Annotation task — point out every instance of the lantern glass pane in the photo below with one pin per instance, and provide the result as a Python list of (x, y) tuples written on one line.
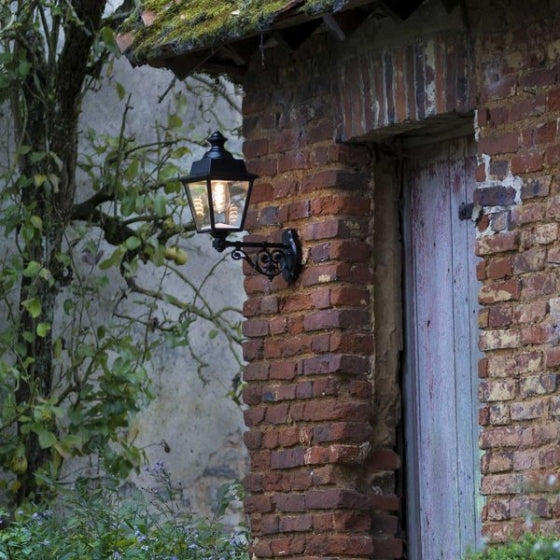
[(229, 199), (198, 198)]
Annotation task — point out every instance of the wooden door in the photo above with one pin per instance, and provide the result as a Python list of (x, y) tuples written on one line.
[(440, 378)]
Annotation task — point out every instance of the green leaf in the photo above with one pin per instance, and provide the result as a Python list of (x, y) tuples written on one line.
[(36, 222), (46, 439), (33, 307), (43, 329), (57, 348), (180, 152), (28, 336), (68, 306), (160, 205), (57, 161), (107, 36), (55, 181), (63, 258), (132, 243), (46, 274), (114, 260), (121, 91), (28, 232), (39, 179), (36, 157), (172, 187), (32, 269), (174, 121), (132, 170)]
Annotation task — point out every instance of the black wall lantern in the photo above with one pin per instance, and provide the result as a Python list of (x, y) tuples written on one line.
[(218, 189)]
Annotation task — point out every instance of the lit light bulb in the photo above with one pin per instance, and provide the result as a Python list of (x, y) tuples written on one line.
[(233, 212), (198, 206), (219, 197)]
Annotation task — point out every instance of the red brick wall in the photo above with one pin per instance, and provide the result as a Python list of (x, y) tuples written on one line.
[(311, 373), (517, 50), (310, 344)]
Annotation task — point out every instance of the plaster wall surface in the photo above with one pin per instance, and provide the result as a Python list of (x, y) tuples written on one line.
[(192, 426)]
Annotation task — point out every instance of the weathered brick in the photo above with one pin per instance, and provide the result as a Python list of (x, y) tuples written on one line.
[(497, 462), (530, 362), (283, 370), (387, 548), (540, 284), (495, 484), (497, 243), (539, 334), (538, 385), (528, 410), (497, 390), (341, 431), (553, 357), (258, 503), (495, 196), (527, 213), (536, 187), (255, 147), (498, 510), (502, 366), (496, 339), (293, 524), (495, 292), (334, 178), (277, 413), (499, 415), (527, 162), (335, 318), (499, 268), (288, 503), (522, 506), (336, 363), (530, 312), (287, 458), (507, 142), (336, 498), (255, 328), (541, 234), (530, 260)]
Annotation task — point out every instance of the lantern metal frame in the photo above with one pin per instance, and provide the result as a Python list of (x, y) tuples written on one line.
[(218, 168)]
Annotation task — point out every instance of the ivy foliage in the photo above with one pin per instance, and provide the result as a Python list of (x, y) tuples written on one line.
[(86, 217), (529, 547)]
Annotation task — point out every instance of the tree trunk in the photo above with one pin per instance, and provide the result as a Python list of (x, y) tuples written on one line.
[(50, 125)]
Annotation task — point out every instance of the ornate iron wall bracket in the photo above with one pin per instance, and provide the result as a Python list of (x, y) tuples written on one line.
[(270, 259)]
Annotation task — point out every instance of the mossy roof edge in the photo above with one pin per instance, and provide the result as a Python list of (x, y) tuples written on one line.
[(180, 27)]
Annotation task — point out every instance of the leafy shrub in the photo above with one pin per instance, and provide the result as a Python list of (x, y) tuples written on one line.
[(530, 547), (98, 524)]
